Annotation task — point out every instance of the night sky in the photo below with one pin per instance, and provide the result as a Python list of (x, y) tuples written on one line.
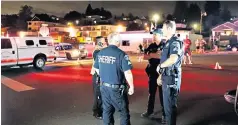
[(138, 8)]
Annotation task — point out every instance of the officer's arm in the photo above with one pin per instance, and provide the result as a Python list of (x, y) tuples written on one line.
[(93, 69), (129, 78), (96, 65), (176, 52), (126, 67), (92, 72), (170, 61)]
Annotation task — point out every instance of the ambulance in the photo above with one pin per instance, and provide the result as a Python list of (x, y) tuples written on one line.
[(20, 51)]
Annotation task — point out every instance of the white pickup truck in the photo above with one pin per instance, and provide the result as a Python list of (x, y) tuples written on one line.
[(17, 51)]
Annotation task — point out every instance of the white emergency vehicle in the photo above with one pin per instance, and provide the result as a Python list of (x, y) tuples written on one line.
[(20, 51)]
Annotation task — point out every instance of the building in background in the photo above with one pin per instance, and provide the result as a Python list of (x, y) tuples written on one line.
[(226, 29)]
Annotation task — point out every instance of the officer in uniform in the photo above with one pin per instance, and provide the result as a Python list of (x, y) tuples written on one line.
[(97, 105), (114, 68), (170, 68), (153, 75)]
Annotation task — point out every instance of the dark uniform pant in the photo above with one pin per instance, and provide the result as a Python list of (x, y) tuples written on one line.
[(152, 93), (114, 99), (170, 94), (97, 105)]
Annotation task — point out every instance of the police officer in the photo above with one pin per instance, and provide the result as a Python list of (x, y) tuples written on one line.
[(97, 105), (153, 75), (114, 68), (170, 68)]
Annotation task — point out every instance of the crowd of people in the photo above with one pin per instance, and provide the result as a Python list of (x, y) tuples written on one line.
[(113, 78)]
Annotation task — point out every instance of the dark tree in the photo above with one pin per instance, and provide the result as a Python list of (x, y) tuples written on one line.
[(170, 17), (9, 20), (89, 10), (105, 13), (96, 11), (130, 15), (212, 7), (122, 15), (25, 14), (72, 15), (194, 14), (180, 11), (213, 17), (226, 14), (44, 17)]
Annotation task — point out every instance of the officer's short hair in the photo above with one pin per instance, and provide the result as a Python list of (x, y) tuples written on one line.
[(113, 37), (98, 41), (170, 24), (99, 37)]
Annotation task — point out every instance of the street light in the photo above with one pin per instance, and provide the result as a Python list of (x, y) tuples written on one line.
[(195, 26), (202, 15), (72, 32), (69, 23), (77, 22), (156, 18), (119, 28)]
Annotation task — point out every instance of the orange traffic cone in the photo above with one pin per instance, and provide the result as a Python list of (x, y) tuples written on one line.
[(217, 66)]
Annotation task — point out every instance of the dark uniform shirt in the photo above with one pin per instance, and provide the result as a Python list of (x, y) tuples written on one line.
[(173, 46), (95, 53), (112, 62)]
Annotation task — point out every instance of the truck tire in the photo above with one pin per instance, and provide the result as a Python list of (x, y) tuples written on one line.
[(39, 62), (68, 56)]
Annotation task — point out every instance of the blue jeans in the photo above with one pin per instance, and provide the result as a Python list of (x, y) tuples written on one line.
[(114, 99), (170, 95)]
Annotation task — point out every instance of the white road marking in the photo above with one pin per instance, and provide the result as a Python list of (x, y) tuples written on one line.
[(15, 85)]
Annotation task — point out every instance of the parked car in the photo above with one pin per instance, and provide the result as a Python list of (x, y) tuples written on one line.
[(67, 50), (232, 47)]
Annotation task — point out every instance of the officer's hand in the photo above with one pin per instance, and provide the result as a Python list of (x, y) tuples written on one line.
[(159, 69), (131, 91), (159, 80)]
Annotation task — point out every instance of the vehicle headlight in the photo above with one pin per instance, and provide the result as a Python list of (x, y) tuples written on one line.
[(234, 49), (75, 53)]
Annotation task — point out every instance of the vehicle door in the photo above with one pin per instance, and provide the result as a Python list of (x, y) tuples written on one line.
[(9, 52)]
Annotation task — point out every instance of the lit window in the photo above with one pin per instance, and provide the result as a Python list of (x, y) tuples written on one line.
[(125, 43)]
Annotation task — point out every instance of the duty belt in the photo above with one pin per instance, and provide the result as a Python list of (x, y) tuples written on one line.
[(112, 85)]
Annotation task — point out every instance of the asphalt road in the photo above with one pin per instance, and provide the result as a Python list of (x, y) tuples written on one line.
[(62, 94)]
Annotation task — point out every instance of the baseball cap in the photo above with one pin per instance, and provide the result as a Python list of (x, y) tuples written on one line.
[(157, 31)]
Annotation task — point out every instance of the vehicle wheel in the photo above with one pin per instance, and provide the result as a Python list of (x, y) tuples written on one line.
[(68, 56), (39, 63)]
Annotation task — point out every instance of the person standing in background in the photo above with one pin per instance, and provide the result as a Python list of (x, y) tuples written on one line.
[(187, 52), (97, 105), (153, 75), (197, 45), (140, 53)]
